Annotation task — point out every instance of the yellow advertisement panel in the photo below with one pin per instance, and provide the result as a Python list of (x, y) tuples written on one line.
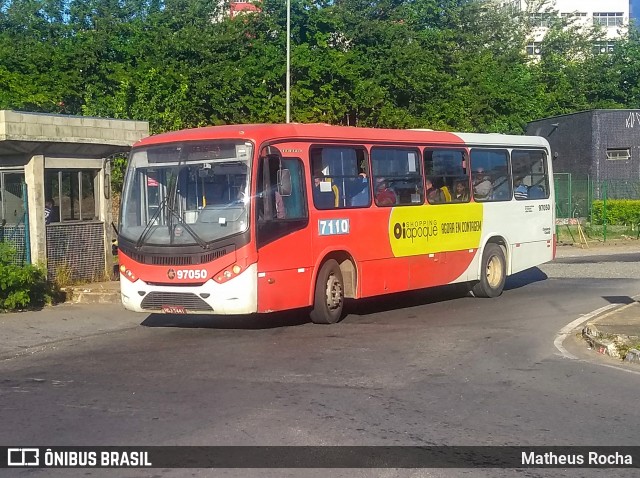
[(435, 228)]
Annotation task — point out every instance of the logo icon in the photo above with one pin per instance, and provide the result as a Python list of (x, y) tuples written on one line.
[(23, 457), (171, 274)]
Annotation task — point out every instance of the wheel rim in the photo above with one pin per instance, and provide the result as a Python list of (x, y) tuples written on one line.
[(334, 293), (494, 271)]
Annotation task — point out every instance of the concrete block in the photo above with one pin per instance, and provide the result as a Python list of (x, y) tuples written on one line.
[(65, 133), (102, 123), (633, 355), (107, 133), (16, 129), (142, 126), (50, 131), (34, 130), (42, 119), (13, 116), (89, 122), (133, 136), (60, 120)]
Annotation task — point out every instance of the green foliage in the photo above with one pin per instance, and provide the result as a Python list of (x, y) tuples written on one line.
[(21, 287), (623, 212), (446, 64)]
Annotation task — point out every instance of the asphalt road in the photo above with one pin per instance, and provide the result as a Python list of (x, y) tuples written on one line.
[(422, 368)]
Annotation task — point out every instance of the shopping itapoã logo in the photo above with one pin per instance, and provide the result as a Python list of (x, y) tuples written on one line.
[(435, 228)]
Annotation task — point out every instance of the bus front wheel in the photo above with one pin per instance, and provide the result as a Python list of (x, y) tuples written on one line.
[(329, 294), (493, 272)]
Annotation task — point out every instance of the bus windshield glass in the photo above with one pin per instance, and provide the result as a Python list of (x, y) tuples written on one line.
[(186, 193)]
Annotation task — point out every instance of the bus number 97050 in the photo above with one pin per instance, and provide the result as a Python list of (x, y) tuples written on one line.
[(191, 274)]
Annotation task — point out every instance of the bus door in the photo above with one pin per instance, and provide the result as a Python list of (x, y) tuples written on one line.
[(283, 236)]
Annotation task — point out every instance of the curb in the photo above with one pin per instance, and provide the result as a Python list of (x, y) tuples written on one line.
[(602, 345), (614, 345), (89, 295)]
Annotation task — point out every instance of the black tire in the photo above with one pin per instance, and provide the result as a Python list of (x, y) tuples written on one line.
[(493, 272), (328, 299)]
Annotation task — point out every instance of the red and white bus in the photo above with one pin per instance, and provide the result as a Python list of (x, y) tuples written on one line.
[(263, 218)]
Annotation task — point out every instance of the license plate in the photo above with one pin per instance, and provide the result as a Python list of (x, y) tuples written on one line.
[(173, 309)]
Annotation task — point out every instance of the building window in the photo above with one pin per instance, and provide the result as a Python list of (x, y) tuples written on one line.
[(534, 48), (574, 15), (600, 47), (541, 20), (12, 194), (618, 154), (608, 19), (73, 195)]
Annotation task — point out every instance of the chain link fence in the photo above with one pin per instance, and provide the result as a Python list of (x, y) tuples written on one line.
[(604, 210)]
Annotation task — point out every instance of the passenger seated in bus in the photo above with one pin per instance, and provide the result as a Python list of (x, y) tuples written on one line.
[(359, 191), (384, 194), (445, 194), (325, 196), (461, 192), (437, 191), (482, 185), (521, 191), (501, 189), (537, 192)]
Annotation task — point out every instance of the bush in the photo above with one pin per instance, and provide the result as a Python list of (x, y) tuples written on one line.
[(621, 212), (21, 287)]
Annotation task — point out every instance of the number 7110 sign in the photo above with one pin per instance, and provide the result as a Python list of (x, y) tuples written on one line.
[(330, 227)]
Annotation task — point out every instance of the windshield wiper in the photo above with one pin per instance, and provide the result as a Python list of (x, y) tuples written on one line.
[(189, 229), (150, 224)]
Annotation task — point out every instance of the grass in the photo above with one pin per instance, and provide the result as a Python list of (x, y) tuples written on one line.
[(596, 233)]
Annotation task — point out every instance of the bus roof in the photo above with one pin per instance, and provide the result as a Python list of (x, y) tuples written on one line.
[(260, 133)]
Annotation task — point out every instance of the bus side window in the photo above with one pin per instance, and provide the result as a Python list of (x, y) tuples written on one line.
[(397, 176), (530, 170), (446, 169), (340, 177)]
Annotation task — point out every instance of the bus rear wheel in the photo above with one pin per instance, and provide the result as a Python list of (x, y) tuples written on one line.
[(329, 294), (493, 272)]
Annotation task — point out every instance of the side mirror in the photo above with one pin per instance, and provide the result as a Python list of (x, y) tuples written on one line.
[(284, 182)]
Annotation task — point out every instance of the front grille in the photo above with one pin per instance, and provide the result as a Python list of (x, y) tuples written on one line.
[(171, 260), (162, 260), (155, 300), (215, 254), (134, 255)]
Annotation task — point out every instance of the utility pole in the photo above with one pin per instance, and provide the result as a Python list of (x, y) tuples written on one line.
[(288, 101)]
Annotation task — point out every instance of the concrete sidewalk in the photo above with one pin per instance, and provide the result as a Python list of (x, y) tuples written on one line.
[(29, 332), (94, 293)]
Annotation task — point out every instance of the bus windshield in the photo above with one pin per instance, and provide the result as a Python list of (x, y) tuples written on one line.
[(186, 193)]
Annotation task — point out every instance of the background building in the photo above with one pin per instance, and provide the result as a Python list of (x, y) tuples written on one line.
[(63, 159), (612, 15), (596, 154), (601, 144)]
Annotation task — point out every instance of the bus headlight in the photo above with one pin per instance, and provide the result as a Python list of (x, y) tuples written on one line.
[(227, 274), (128, 274)]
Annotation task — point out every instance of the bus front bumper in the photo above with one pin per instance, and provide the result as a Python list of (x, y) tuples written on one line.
[(236, 296)]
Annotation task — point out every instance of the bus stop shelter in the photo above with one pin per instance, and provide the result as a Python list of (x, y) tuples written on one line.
[(64, 161)]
